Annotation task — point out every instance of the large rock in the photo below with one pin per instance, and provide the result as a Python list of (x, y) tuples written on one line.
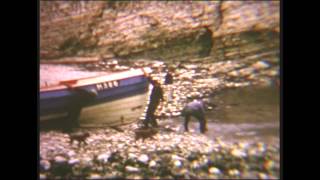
[(93, 30)]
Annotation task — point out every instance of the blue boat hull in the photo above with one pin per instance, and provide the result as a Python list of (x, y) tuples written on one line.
[(117, 102)]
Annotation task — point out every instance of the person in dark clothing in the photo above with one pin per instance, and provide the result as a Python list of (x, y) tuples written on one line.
[(195, 108), (168, 82), (155, 97), (168, 78)]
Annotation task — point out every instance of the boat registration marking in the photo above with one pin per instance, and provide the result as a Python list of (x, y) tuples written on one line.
[(107, 85)]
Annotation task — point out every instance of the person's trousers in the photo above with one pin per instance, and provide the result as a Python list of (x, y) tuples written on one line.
[(150, 117)]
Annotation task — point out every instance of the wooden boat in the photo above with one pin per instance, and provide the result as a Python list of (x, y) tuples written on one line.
[(120, 98)]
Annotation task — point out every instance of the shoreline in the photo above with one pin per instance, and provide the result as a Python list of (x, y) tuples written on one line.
[(112, 154)]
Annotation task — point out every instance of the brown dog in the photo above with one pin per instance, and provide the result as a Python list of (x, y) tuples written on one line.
[(144, 133), (79, 136)]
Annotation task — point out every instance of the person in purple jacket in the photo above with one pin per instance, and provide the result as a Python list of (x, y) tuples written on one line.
[(196, 109)]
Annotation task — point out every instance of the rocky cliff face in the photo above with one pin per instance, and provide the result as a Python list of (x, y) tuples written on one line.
[(178, 30)]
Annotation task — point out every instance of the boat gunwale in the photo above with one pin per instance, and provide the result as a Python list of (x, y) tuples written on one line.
[(110, 77)]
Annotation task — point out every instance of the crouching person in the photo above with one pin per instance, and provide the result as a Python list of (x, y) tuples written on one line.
[(195, 108)]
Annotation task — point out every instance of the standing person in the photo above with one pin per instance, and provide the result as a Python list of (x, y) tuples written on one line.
[(168, 82), (169, 77), (195, 108), (155, 97)]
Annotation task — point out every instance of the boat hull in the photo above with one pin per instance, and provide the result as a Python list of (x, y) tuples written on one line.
[(117, 112), (119, 101)]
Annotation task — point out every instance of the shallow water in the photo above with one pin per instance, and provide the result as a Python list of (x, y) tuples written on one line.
[(249, 113), (244, 105)]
